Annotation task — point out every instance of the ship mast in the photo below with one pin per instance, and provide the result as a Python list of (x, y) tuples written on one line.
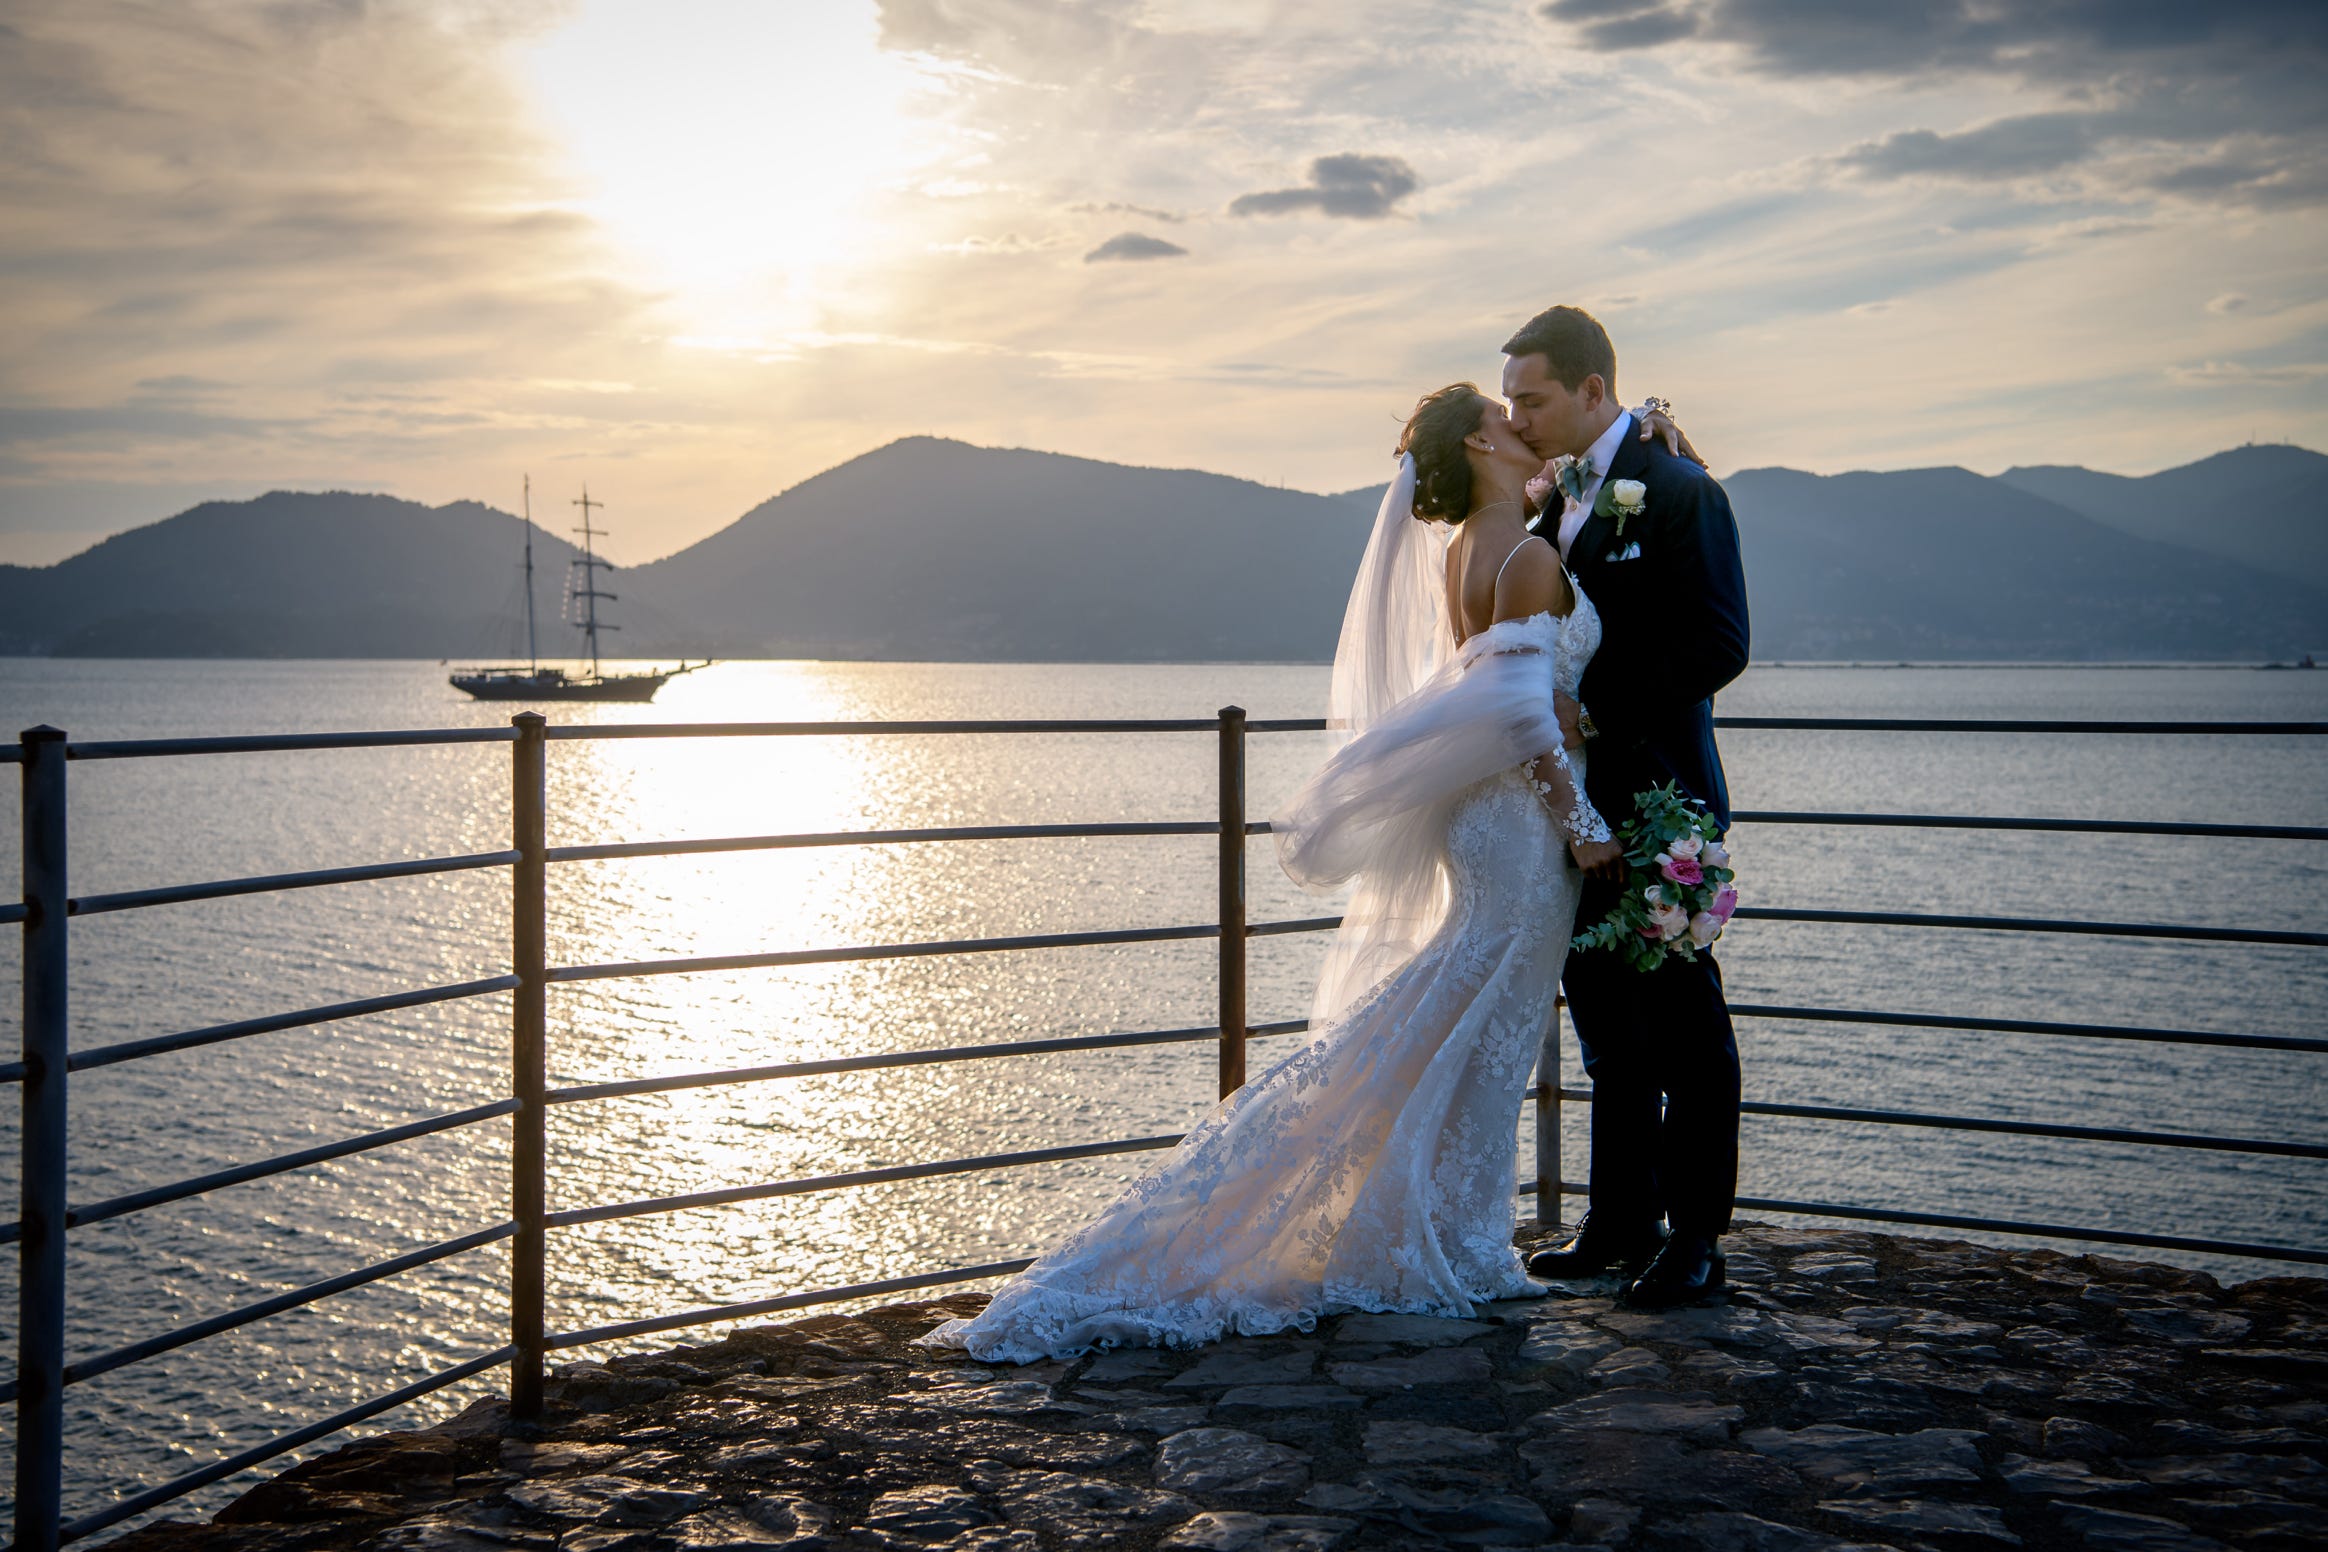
[(533, 657), (589, 592)]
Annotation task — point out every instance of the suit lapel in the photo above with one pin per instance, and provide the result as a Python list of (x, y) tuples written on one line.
[(1630, 458)]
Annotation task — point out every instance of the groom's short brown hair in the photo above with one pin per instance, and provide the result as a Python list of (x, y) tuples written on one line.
[(1573, 345)]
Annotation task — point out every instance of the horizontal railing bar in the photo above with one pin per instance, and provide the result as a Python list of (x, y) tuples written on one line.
[(273, 743), (1959, 725), (138, 1201), (2056, 826), (1278, 929), (746, 1310), (11, 754), (282, 1444), (1263, 827), (178, 894), (130, 1050), (136, 748), (875, 951), (577, 730), (2213, 1247), (2198, 1037), (13, 911), (2039, 924), (1948, 1123), (862, 1177), (831, 956), (960, 1053), (875, 838), (276, 1304)]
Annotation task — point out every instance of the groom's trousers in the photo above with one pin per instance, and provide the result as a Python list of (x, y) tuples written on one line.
[(1663, 1061)]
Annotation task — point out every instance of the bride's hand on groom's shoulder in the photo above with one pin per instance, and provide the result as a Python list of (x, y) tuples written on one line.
[(1658, 424)]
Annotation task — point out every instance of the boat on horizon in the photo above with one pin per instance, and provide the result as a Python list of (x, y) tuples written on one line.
[(534, 682)]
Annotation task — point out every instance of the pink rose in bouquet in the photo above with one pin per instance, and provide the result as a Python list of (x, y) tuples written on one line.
[(1679, 895)]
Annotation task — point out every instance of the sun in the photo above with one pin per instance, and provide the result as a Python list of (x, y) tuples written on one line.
[(739, 150)]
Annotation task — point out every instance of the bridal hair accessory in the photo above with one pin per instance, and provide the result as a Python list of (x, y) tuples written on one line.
[(1680, 890)]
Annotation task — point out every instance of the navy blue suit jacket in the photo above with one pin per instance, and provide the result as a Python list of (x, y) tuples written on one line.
[(1673, 631)]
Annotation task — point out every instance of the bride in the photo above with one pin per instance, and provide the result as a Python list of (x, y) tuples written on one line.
[(1373, 1169)]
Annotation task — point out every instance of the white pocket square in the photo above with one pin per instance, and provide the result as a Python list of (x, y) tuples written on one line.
[(1629, 552)]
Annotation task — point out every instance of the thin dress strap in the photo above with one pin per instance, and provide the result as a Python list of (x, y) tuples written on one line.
[(1508, 559)]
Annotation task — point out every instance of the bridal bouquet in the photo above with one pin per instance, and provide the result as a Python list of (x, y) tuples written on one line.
[(1679, 895)]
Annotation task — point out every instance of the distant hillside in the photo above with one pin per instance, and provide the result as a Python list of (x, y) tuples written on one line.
[(1942, 563), (932, 549), (935, 549), (2266, 506), (293, 574)]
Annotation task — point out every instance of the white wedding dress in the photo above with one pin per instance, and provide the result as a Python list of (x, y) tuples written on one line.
[(1374, 1168)]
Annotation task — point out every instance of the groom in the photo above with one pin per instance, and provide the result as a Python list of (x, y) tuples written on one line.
[(1672, 601)]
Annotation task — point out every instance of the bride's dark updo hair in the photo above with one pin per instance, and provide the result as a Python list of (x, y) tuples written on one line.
[(1434, 434)]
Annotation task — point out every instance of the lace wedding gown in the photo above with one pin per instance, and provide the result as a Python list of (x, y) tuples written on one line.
[(1374, 1168)]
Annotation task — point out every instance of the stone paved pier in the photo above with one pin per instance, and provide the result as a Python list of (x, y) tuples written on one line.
[(1857, 1391)]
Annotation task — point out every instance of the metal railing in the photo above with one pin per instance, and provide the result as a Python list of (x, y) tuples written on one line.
[(45, 755)]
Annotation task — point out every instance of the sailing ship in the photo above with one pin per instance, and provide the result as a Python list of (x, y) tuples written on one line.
[(537, 683)]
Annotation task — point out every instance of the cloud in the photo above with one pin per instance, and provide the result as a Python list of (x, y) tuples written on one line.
[(1132, 246), (2006, 148), (1116, 207), (2211, 102), (2239, 374), (1615, 25), (1349, 186), (1915, 37), (2229, 302)]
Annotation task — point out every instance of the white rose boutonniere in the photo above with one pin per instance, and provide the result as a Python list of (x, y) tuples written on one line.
[(1623, 499)]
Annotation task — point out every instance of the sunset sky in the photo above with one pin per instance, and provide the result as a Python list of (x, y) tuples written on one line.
[(698, 250)]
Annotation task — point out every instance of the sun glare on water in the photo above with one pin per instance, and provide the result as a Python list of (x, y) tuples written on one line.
[(738, 149)]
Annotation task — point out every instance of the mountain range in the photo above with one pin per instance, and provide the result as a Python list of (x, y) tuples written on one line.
[(930, 549)]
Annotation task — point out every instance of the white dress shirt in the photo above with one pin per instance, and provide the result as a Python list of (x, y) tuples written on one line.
[(1574, 514)]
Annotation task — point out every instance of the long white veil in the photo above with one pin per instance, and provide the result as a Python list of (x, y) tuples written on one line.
[(1419, 722)]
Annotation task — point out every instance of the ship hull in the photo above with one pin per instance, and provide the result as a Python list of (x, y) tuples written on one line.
[(630, 687)]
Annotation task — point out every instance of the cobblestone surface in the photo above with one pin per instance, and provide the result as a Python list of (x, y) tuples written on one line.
[(1855, 1391)]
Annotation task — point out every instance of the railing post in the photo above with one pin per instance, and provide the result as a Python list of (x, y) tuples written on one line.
[(1548, 1120), (529, 1060), (1232, 899), (40, 1295)]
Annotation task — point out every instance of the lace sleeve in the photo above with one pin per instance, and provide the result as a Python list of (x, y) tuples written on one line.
[(1554, 779)]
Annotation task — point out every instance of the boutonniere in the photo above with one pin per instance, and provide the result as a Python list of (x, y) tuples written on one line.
[(1622, 499)]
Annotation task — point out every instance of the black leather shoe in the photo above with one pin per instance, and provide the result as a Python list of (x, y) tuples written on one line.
[(1686, 1271), (1595, 1250)]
